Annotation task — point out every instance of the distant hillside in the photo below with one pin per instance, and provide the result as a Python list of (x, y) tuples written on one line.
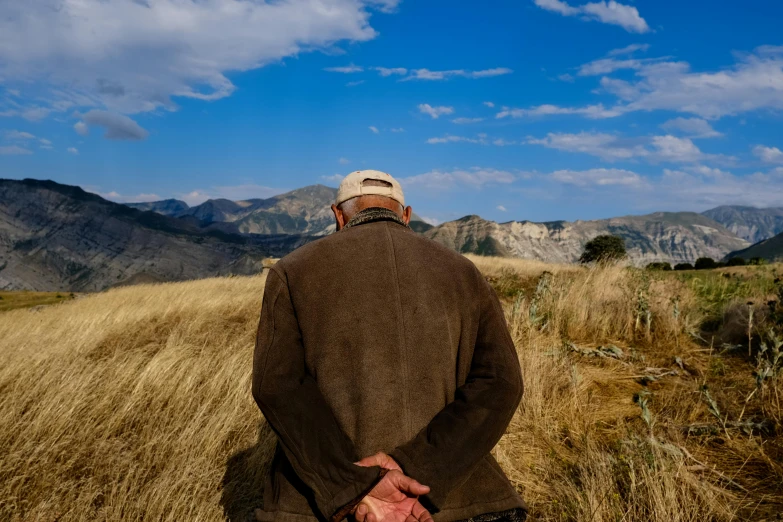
[(663, 236), (59, 237), (750, 223), (770, 249), (302, 211), (167, 207)]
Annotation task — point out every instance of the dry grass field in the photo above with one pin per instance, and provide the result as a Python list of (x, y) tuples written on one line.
[(641, 401)]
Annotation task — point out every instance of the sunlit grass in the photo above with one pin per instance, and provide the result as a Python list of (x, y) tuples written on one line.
[(135, 403)]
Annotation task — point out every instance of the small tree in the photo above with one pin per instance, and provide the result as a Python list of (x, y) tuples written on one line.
[(659, 265), (603, 248), (735, 261), (705, 263), (683, 266), (757, 261)]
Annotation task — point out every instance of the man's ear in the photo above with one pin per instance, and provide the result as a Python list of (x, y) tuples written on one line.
[(339, 217), (406, 215)]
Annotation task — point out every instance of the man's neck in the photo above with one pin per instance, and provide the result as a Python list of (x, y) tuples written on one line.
[(373, 214)]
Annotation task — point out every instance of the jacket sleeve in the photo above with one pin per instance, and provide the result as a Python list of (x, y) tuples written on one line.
[(444, 453), (319, 451)]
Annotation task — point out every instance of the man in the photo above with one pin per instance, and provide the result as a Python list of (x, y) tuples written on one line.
[(377, 344)]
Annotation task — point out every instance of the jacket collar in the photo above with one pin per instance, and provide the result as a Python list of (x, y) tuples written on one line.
[(373, 214)]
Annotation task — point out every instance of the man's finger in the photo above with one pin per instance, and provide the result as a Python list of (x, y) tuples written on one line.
[(407, 484), (361, 512), (420, 513), (379, 459), (372, 460), (371, 518)]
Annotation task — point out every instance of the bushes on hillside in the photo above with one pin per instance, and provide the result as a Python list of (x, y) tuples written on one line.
[(705, 263), (603, 248), (735, 261), (683, 266), (659, 265)]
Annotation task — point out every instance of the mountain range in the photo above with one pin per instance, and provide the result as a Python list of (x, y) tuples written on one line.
[(749, 223), (663, 236), (59, 237)]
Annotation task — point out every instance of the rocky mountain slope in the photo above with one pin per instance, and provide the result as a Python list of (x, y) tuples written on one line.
[(770, 249), (663, 236), (301, 211), (749, 223), (167, 207), (59, 237)]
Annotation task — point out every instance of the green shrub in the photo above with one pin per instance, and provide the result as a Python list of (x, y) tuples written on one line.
[(603, 248), (736, 261), (757, 261), (683, 266), (659, 265), (705, 263)]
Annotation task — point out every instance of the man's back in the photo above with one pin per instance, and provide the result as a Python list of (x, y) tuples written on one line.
[(396, 333)]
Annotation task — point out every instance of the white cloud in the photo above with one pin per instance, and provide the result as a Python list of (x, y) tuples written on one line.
[(354, 84), (134, 56), (565, 78), (397, 129), (600, 177), (16, 135), (346, 69), (34, 113), (611, 147), (389, 71), (118, 126), (232, 192), (557, 6), (629, 49), (435, 112), (81, 128), (501, 208), (343, 161), (697, 191), (461, 121), (489, 104), (500, 142), (448, 138), (590, 111), (73, 150), (610, 12), (374, 129), (610, 65), (605, 146), (475, 177), (768, 154), (754, 82), (693, 127), (120, 198), (335, 179), (426, 74), (674, 149), (44, 141), (13, 150)]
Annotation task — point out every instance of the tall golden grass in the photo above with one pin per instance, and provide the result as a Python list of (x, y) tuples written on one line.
[(134, 404)]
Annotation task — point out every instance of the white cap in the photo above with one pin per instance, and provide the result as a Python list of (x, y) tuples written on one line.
[(353, 186)]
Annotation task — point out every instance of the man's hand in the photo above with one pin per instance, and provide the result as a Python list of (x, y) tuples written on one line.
[(394, 499), (380, 459)]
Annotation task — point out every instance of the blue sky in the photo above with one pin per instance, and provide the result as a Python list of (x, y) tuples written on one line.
[(513, 110)]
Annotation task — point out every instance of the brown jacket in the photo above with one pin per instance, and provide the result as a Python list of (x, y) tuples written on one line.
[(376, 339)]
